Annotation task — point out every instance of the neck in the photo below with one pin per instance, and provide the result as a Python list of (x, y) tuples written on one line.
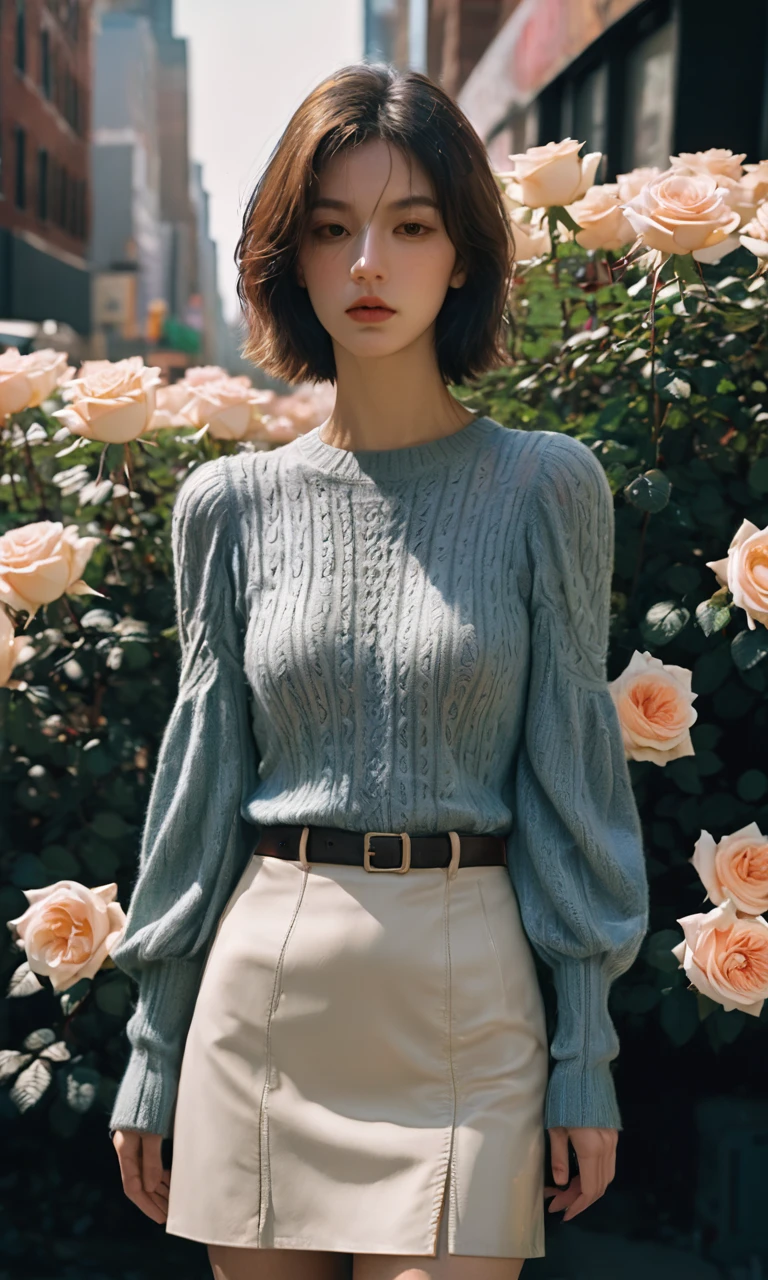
[(391, 401)]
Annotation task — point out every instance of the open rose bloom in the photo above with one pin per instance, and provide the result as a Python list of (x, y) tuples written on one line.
[(725, 957), (601, 218), (654, 704), (111, 401), (735, 867), (224, 405), (744, 571), (754, 235), (68, 930), (11, 648), (680, 212), (26, 381), (554, 174), (41, 561)]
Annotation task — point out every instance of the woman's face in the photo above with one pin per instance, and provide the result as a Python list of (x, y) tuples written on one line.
[(374, 230)]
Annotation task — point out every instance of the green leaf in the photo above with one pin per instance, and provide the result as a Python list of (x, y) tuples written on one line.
[(758, 475), (682, 578), (663, 622), (684, 774), (752, 785), (749, 647), (110, 826), (711, 669), (671, 386), (679, 1015), (712, 618), (561, 214), (649, 491), (658, 950)]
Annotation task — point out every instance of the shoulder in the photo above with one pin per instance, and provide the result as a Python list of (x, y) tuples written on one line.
[(569, 479), (204, 502)]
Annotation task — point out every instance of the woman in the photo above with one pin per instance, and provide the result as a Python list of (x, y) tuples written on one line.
[(394, 635)]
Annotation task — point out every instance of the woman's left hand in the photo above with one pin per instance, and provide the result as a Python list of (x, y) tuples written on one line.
[(596, 1153)]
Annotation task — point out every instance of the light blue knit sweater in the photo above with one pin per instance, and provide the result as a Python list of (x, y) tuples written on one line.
[(410, 640)]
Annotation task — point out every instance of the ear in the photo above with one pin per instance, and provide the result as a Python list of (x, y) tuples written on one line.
[(459, 275)]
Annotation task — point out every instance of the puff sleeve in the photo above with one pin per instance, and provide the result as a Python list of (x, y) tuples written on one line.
[(196, 840), (576, 854)]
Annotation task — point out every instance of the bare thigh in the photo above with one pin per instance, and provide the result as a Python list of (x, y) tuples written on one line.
[(445, 1266), (231, 1263), (382, 1266)]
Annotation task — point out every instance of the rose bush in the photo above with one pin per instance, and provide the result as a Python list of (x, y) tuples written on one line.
[(652, 357)]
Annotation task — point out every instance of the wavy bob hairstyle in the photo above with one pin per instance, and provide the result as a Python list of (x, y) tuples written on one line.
[(407, 109)]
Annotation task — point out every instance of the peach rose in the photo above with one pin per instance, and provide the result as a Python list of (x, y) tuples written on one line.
[(601, 218), (42, 561), (531, 232), (680, 212), (223, 406), (26, 381), (11, 648), (68, 931), (169, 405), (751, 190), (735, 867), (554, 174), (719, 162), (725, 956), (111, 401), (631, 184), (654, 704), (197, 374), (744, 571), (754, 236)]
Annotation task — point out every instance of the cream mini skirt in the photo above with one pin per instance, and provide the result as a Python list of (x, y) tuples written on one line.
[(366, 1067)]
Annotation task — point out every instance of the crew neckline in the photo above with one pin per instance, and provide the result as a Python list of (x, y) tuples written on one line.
[(371, 465)]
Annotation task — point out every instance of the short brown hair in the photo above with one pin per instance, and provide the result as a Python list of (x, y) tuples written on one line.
[(406, 108)]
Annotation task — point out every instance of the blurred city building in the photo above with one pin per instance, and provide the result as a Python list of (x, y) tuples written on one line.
[(639, 80), (155, 284), (45, 108)]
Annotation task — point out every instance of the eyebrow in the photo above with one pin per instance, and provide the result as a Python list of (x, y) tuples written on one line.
[(328, 203)]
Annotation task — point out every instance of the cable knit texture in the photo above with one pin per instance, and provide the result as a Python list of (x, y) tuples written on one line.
[(410, 640)]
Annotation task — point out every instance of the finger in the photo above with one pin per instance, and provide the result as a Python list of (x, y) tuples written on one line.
[(558, 1142), (151, 1165), (589, 1177), (135, 1192)]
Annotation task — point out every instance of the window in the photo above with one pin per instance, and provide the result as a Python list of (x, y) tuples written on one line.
[(21, 173), (649, 101), (590, 110), (45, 62), (21, 35), (42, 184)]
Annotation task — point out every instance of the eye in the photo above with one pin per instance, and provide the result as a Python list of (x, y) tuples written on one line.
[(328, 226), (419, 226)]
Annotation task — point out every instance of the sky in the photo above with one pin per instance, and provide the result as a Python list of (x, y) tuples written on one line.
[(251, 62)]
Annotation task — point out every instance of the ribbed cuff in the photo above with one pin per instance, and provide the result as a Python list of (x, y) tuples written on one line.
[(581, 1091), (146, 1097), (157, 1031)]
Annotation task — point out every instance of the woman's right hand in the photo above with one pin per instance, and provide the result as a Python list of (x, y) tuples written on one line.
[(145, 1181)]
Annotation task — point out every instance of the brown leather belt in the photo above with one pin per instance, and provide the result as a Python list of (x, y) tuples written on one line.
[(395, 851)]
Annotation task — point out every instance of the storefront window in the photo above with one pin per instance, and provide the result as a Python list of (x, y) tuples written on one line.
[(649, 100), (590, 110)]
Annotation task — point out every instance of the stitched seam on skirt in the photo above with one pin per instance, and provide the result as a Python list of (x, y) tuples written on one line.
[(454, 1191), (265, 1192)]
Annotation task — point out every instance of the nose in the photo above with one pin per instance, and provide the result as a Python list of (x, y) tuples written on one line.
[(370, 263)]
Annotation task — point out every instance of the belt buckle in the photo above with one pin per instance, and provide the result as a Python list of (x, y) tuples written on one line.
[(369, 853)]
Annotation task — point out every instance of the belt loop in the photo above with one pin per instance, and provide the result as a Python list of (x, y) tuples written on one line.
[(453, 866), (303, 849)]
